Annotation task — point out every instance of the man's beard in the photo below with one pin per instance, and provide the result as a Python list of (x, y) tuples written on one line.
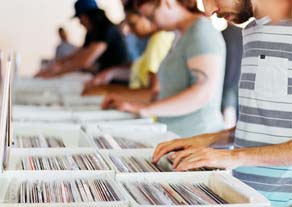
[(244, 14)]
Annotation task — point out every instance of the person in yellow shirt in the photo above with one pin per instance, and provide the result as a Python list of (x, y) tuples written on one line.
[(148, 65), (142, 75)]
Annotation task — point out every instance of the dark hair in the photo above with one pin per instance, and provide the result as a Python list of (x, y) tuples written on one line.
[(130, 7), (246, 12), (190, 5), (61, 29), (98, 20)]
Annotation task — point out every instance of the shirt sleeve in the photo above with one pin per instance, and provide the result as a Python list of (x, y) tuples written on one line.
[(157, 49), (204, 39), (111, 34), (94, 36)]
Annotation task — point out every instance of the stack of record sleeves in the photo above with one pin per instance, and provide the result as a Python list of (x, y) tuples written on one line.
[(131, 164), (38, 141), (92, 161), (172, 194), (71, 191), (104, 142)]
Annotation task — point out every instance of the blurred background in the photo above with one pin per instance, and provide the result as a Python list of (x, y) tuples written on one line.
[(30, 27)]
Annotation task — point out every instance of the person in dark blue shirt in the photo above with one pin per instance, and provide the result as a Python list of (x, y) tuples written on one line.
[(104, 45)]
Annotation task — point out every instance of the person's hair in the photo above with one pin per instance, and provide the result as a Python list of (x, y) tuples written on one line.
[(131, 8), (190, 5), (98, 20), (61, 29), (246, 12)]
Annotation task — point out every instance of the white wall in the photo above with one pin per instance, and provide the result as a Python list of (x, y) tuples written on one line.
[(29, 27), (113, 8)]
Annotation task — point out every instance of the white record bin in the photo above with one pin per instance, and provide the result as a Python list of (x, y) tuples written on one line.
[(131, 128), (66, 115), (20, 156), (79, 102), (11, 189), (37, 99), (21, 108), (42, 115), (90, 116), (34, 86), (71, 136), (94, 126), (131, 140), (71, 84), (51, 188), (236, 193)]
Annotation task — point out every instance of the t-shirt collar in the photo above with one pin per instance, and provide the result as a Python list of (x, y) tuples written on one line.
[(263, 21)]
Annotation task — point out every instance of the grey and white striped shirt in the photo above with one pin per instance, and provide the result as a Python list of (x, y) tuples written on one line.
[(265, 98)]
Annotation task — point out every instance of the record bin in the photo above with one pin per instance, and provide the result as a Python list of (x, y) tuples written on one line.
[(16, 155), (71, 135), (148, 139), (93, 126), (90, 116), (236, 193), (10, 183)]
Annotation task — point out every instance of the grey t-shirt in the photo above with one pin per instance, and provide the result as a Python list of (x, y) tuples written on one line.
[(65, 49), (174, 77)]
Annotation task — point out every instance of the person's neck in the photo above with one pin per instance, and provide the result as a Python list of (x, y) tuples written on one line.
[(185, 21), (276, 10)]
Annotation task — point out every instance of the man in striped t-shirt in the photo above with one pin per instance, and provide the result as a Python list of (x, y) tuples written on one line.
[(263, 136)]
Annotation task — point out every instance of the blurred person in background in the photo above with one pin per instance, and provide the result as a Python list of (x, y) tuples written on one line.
[(190, 78), (262, 157), (233, 39), (65, 48), (143, 73), (135, 45), (104, 45)]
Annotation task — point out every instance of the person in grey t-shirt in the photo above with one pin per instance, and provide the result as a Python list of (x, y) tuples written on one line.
[(191, 77), (65, 48)]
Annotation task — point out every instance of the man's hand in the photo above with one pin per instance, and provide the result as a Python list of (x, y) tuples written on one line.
[(50, 72), (182, 144), (195, 158), (41, 74), (47, 74), (114, 101), (103, 78), (57, 67), (111, 101)]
